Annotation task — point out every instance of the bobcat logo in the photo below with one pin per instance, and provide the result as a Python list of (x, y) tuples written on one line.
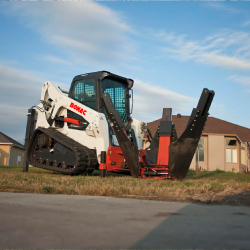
[(77, 108)]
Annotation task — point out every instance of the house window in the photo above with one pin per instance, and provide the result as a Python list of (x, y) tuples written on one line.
[(201, 154), (234, 155), (19, 158), (231, 151), (228, 155), (200, 157), (231, 142), (200, 151)]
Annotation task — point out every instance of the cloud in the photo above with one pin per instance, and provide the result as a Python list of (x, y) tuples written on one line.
[(149, 100), (18, 86), (222, 7), (227, 49), (244, 80), (14, 121), (87, 31), (54, 59), (19, 90), (16, 79), (224, 61), (247, 23)]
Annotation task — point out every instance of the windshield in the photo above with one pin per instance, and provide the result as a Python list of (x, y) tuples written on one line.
[(118, 94)]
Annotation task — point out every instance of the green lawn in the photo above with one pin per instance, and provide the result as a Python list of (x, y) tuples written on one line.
[(201, 186)]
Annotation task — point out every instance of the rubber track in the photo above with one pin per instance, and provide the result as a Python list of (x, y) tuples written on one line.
[(86, 160)]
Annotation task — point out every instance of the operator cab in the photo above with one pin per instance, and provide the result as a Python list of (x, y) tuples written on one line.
[(89, 88)]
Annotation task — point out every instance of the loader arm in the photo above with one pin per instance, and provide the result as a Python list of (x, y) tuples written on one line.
[(96, 127)]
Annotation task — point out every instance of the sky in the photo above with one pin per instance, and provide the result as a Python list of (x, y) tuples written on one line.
[(172, 50)]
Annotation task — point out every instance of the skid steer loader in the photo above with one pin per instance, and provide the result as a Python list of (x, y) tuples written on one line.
[(90, 127)]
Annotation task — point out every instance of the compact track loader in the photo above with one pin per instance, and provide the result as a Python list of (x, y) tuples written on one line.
[(89, 127)]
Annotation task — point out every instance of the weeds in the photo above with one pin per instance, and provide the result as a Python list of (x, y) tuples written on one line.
[(48, 190), (202, 186)]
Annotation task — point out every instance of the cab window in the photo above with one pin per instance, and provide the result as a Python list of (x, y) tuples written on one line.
[(84, 91), (117, 92)]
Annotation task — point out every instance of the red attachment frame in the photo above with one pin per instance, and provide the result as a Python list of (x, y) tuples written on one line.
[(162, 170), (163, 151), (115, 163), (115, 160)]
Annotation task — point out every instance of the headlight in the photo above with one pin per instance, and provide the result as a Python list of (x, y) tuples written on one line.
[(130, 83), (104, 74)]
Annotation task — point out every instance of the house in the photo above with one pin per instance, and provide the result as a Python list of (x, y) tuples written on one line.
[(223, 145), (11, 151)]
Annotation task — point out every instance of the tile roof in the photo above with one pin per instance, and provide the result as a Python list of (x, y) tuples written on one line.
[(213, 126), (6, 139)]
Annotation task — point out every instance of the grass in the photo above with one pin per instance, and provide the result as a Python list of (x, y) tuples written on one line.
[(205, 187)]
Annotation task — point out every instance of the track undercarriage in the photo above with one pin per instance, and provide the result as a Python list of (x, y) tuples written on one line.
[(52, 150)]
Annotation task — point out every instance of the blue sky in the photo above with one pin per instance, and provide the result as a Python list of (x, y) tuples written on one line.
[(171, 49)]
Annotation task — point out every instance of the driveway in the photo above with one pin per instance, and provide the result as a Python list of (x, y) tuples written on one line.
[(40, 221)]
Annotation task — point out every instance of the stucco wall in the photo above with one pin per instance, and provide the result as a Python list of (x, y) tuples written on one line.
[(216, 154), (243, 157), (15, 151), (193, 164), (4, 150)]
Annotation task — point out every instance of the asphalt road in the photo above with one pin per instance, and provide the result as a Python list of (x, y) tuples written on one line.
[(37, 221)]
